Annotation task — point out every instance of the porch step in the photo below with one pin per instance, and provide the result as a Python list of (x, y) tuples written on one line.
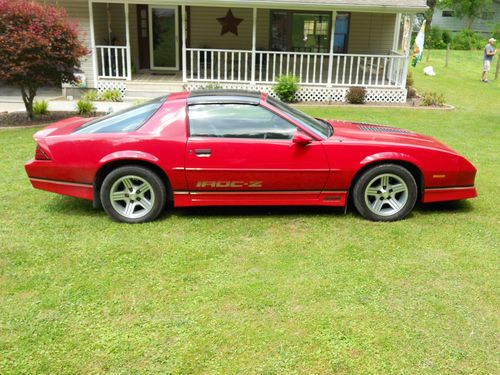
[(149, 90)]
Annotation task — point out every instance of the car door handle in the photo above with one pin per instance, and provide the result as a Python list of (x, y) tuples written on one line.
[(203, 152)]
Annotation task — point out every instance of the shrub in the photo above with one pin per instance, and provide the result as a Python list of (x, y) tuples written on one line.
[(286, 88), (495, 32), (411, 93), (356, 95), (40, 107), (84, 107), (111, 96), (211, 86), (91, 96), (447, 38), (435, 36), (409, 80), (433, 98), (467, 40)]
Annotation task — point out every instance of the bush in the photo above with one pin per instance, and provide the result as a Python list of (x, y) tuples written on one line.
[(84, 107), (467, 40), (111, 96), (40, 107), (495, 32), (409, 80), (286, 88), (356, 95), (211, 87), (435, 37), (447, 37), (91, 96), (411, 93), (433, 98)]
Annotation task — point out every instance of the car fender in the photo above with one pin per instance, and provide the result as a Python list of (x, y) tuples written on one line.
[(389, 156), (130, 155)]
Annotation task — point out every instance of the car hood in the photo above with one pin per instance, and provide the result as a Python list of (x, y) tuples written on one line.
[(377, 134)]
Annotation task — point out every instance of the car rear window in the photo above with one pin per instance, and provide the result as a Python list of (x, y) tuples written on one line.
[(123, 121)]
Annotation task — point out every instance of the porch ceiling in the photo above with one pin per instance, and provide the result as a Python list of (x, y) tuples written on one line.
[(399, 5)]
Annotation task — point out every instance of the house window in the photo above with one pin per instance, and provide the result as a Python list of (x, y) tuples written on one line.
[(341, 32), (307, 31), (310, 32), (447, 13)]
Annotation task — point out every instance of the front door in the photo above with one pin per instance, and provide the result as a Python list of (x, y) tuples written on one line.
[(164, 39), (143, 36), (243, 151)]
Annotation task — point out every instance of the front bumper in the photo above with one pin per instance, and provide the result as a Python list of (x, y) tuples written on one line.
[(448, 194)]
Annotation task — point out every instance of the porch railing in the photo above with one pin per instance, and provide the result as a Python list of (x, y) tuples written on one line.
[(112, 62), (218, 65)]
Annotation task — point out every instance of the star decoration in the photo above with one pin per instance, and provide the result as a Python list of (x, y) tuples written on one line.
[(229, 23)]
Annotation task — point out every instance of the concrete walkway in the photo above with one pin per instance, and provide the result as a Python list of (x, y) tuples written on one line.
[(11, 101)]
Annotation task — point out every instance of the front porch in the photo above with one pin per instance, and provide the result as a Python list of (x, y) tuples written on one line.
[(328, 51)]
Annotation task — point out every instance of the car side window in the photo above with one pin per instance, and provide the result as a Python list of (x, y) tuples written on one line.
[(237, 121)]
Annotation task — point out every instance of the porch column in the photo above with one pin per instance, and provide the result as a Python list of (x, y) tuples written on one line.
[(397, 31), (408, 52), (184, 31), (332, 45), (127, 31), (254, 44), (92, 43)]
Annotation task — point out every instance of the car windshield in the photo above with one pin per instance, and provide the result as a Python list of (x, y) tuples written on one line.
[(320, 128), (127, 120)]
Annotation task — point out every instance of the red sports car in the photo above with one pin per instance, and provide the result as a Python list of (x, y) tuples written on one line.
[(241, 148)]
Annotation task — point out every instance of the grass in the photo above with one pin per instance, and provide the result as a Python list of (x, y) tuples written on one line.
[(261, 290)]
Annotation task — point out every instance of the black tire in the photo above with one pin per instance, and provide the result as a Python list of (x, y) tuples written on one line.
[(154, 193), (377, 194)]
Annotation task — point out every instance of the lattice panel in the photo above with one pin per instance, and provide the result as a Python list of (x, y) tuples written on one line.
[(319, 94), (111, 85), (386, 95)]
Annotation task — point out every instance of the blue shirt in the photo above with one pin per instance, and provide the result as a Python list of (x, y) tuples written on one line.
[(488, 48)]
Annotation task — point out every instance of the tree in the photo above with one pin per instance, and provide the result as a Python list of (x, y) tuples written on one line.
[(470, 9), (38, 47)]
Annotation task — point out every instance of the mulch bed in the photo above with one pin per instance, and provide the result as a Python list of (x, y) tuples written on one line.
[(13, 119)]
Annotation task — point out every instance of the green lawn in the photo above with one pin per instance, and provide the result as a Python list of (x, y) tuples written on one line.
[(261, 290)]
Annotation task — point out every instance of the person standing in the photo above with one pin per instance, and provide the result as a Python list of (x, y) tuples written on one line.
[(489, 53)]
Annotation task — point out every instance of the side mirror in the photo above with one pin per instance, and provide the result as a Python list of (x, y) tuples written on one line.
[(302, 139)]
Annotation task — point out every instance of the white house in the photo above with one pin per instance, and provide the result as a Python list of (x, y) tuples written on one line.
[(447, 19), (149, 47)]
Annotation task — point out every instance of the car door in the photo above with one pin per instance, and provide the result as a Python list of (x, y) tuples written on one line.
[(239, 148)]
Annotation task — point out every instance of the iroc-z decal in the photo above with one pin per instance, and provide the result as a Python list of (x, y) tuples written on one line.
[(229, 184)]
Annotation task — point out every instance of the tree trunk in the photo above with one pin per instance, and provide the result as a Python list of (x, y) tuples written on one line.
[(447, 55), (29, 94), (470, 21), (497, 71)]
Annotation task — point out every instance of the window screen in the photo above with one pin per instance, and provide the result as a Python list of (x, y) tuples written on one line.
[(237, 121)]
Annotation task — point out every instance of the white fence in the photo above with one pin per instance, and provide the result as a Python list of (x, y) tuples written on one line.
[(235, 66), (240, 66), (112, 62)]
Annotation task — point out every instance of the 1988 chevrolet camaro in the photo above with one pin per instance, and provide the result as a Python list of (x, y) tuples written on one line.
[(241, 148)]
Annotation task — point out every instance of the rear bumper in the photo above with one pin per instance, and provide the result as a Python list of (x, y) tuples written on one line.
[(73, 189), (448, 194)]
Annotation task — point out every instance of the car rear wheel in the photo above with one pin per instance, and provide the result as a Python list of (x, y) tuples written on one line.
[(386, 192), (133, 194)]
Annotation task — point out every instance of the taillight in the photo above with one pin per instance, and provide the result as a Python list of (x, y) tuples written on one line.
[(40, 154)]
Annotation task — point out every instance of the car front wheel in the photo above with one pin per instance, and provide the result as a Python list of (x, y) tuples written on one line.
[(385, 193), (133, 194)]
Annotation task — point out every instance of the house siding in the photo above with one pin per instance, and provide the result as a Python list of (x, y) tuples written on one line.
[(205, 29), (79, 12), (371, 33), (456, 24)]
